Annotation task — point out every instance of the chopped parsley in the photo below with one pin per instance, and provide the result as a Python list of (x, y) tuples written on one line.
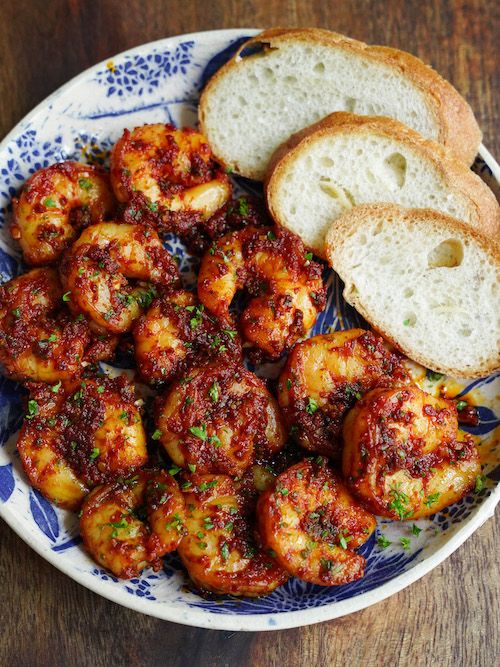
[(399, 500), (271, 236), (32, 409), (415, 530), (156, 434), (432, 499), (66, 296), (243, 206), (479, 485), (16, 312), (308, 256), (196, 312), (204, 486), (174, 470), (434, 377), (405, 543), (224, 550), (192, 467), (215, 441), (56, 387), (176, 523), (95, 453), (115, 525), (383, 542), (213, 392), (312, 406), (199, 431), (49, 202), (461, 405), (85, 183)]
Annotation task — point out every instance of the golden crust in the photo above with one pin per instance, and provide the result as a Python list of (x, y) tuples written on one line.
[(448, 107), (485, 211), (393, 214)]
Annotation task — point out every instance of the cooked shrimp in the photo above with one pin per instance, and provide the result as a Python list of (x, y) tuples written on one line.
[(219, 418), (169, 172), (285, 284), (403, 454), (245, 211), (129, 525), (38, 339), (174, 332), (324, 376), (312, 524), (77, 435), (55, 203), (97, 270), (219, 550)]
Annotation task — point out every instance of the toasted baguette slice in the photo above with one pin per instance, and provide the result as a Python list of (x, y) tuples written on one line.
[(283, 80), (426, 281), (345, 160)]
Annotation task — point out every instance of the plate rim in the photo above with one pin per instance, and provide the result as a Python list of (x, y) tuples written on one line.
[(204, 618)]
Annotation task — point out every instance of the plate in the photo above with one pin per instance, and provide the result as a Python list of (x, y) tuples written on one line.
[(160, 82)]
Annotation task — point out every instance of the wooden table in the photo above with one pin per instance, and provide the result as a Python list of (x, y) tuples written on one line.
[(449, 618)]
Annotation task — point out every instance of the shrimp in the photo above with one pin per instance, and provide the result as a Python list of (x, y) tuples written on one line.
[(219, 419), (79, 434), (175, 331), (219, 550), (54, 204), (237, 213), (129, 525), (97, 270), (284, 282), (403, 455), (39, 340), (324, 376), (168, 172), (312, 524)]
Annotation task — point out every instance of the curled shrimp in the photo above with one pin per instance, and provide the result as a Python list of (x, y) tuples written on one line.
[(98, 270), (169, 172), (39, 340), (54, 204), (312, 525), (127, 526), (403, 455), (219, 419), (284, 283), (79, 434), (324, 376), (176, 332), (219, 550)]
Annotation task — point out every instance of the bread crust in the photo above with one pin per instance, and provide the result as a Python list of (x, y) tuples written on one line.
[(485, 211), (449, 109), (394, 214)]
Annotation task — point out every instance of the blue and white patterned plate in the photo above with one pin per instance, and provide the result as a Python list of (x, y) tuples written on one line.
[(160, 82)]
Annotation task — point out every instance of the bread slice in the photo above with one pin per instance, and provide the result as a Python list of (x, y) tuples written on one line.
[(426, 281), (283, 80), (345, 160)]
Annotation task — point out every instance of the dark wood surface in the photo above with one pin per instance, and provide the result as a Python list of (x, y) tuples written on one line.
[(449, 618)]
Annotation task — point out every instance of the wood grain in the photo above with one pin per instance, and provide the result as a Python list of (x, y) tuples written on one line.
[(448, 619)]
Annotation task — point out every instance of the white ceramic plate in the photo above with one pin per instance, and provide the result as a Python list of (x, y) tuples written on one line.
[(160, 82)]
